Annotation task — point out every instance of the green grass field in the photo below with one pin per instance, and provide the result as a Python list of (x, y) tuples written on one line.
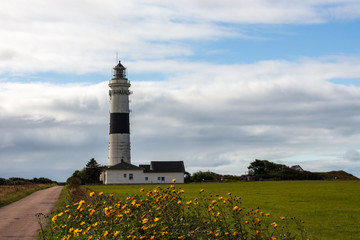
[(331, 209)]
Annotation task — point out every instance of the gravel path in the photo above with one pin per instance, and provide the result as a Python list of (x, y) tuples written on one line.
[(18, 220)]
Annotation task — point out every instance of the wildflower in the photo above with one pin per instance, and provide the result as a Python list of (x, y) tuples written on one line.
[(116, 233), (82, 223), (268, 214), (101, 193), (282, 218), (156, 219), (142, 189), (235, 233), (229, 193), (92, 212), (145, 220), (174, 180), (209, 233), (235, 208), (274, 224), (106, 233), (181, 237), (257, 232), (92, 194), (201, 190), (217, 234), (179, 202)]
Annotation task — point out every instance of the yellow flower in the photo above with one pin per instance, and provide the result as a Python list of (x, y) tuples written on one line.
[(274, 224), (54, 219), (179, 202), (82, 223), (235, 233), (229, 193), (101, 193), (174, 180), (235, 208), (106, 233), (145, 220), (268, 214), (116, 233), (156, 219), (142, 189), (181, 237), (201, 190), (92, 194), (282, 218)]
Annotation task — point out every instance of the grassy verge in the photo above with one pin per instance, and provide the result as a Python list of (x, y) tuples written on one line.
[(330, 209), (9, 194)]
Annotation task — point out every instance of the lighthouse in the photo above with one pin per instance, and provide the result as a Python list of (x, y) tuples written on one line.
[(119, 136)]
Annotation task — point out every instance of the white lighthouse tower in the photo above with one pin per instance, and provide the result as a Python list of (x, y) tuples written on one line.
[(119, 139)]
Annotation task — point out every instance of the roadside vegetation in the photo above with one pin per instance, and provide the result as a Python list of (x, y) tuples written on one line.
[(164, 213), (15, 188)]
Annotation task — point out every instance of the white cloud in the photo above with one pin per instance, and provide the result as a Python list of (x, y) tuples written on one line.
[(218, 119), (81, 37)]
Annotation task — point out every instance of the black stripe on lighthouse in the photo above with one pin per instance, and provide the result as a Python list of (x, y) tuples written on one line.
[(119, 123)]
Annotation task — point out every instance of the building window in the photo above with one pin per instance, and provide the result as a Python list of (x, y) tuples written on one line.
[(159, 178), (131, 176), (162, 178), (146, 178), (124, 175)]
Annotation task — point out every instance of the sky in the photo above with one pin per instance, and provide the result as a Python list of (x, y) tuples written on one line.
[(216, 84)]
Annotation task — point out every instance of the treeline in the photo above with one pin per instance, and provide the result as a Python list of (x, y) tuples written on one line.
[(264, 170), (23, 181)]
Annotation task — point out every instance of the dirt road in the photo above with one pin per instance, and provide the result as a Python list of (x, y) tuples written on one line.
[(18, 220)]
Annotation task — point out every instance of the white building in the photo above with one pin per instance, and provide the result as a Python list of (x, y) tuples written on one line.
[(156, 172), (120, 169)]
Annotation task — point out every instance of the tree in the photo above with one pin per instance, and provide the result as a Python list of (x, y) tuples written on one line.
[(92, 171), (202, 176), (257, 167)]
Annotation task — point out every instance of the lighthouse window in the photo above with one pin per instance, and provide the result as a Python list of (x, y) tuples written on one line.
[(162, 178), (124, 175), (131, 176)]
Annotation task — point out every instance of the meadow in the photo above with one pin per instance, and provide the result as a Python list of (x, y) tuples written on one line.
[(330, 209), (12, 193)]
